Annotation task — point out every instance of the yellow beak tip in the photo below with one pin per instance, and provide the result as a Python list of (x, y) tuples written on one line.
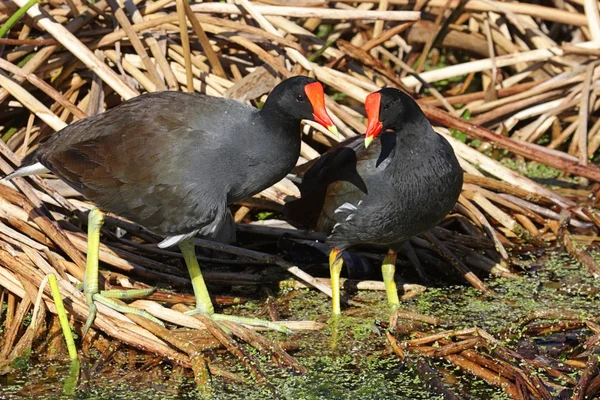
[(333, 129), (368, 141)]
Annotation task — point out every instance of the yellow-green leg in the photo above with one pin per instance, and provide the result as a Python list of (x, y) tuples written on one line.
[(90, 278), (388, 269), (335, 268), (204, 304)]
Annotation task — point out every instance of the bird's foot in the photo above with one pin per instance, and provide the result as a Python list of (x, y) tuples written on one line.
[(107, 297), (253, 322), (127, 294), (242, 320)]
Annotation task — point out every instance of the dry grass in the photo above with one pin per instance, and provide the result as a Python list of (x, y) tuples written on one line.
[(507, 83), (476, 351)]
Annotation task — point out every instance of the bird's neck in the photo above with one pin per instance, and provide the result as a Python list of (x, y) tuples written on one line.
[(276, 120), (415, 131), (283, 135), (273, 106)]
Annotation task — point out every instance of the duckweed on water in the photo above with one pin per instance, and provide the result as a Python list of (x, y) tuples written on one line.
[(359, 367)]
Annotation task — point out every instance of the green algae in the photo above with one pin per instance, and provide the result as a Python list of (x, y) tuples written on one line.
[(359, 366), (532, 169)]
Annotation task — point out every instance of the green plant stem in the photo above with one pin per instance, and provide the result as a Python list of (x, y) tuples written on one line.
[(16, 17), (313, 57), (9, 133), (62, 317)]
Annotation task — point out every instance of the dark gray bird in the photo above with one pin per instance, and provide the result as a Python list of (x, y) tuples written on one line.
[(173, 161), (399, 184)]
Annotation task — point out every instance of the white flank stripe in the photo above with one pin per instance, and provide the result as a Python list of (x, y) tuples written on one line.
[(33, 169)]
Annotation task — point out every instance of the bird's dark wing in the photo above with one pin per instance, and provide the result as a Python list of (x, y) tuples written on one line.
[(331, 181), (141, 165)]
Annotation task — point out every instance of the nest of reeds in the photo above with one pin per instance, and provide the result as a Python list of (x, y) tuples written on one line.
[(512, 86)]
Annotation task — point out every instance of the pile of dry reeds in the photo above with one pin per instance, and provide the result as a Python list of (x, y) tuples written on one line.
[(507, 83), (476, 351)]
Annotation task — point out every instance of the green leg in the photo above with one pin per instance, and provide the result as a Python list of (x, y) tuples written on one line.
[(253, 322), (335, 268), (388, 269), (90, 278), (115, 305), (204, 304), (336, 329)]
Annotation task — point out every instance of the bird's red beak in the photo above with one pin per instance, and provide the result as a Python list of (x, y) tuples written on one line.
[(316, 96), (374, 126)]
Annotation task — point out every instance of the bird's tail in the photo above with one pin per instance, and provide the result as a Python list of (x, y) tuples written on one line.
[(26, 170)]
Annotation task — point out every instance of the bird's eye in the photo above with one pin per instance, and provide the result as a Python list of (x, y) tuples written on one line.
[(387, 107), (300, 98)]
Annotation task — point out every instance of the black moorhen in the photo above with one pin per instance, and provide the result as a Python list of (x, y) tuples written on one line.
[(401, 185), (173, 161)]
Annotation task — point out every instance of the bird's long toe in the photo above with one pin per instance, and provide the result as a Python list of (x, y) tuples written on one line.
[(241, 320), (253, 322), (123, 308)]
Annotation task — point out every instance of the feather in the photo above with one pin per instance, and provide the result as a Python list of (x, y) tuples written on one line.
[(170, 241), (33, 169), (346, 208)]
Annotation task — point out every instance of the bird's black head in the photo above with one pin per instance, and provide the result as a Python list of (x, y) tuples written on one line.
[(299, 98), (386, 109)]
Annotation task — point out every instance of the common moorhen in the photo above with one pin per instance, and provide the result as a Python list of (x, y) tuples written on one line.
[(173, 161), (381, 193)]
